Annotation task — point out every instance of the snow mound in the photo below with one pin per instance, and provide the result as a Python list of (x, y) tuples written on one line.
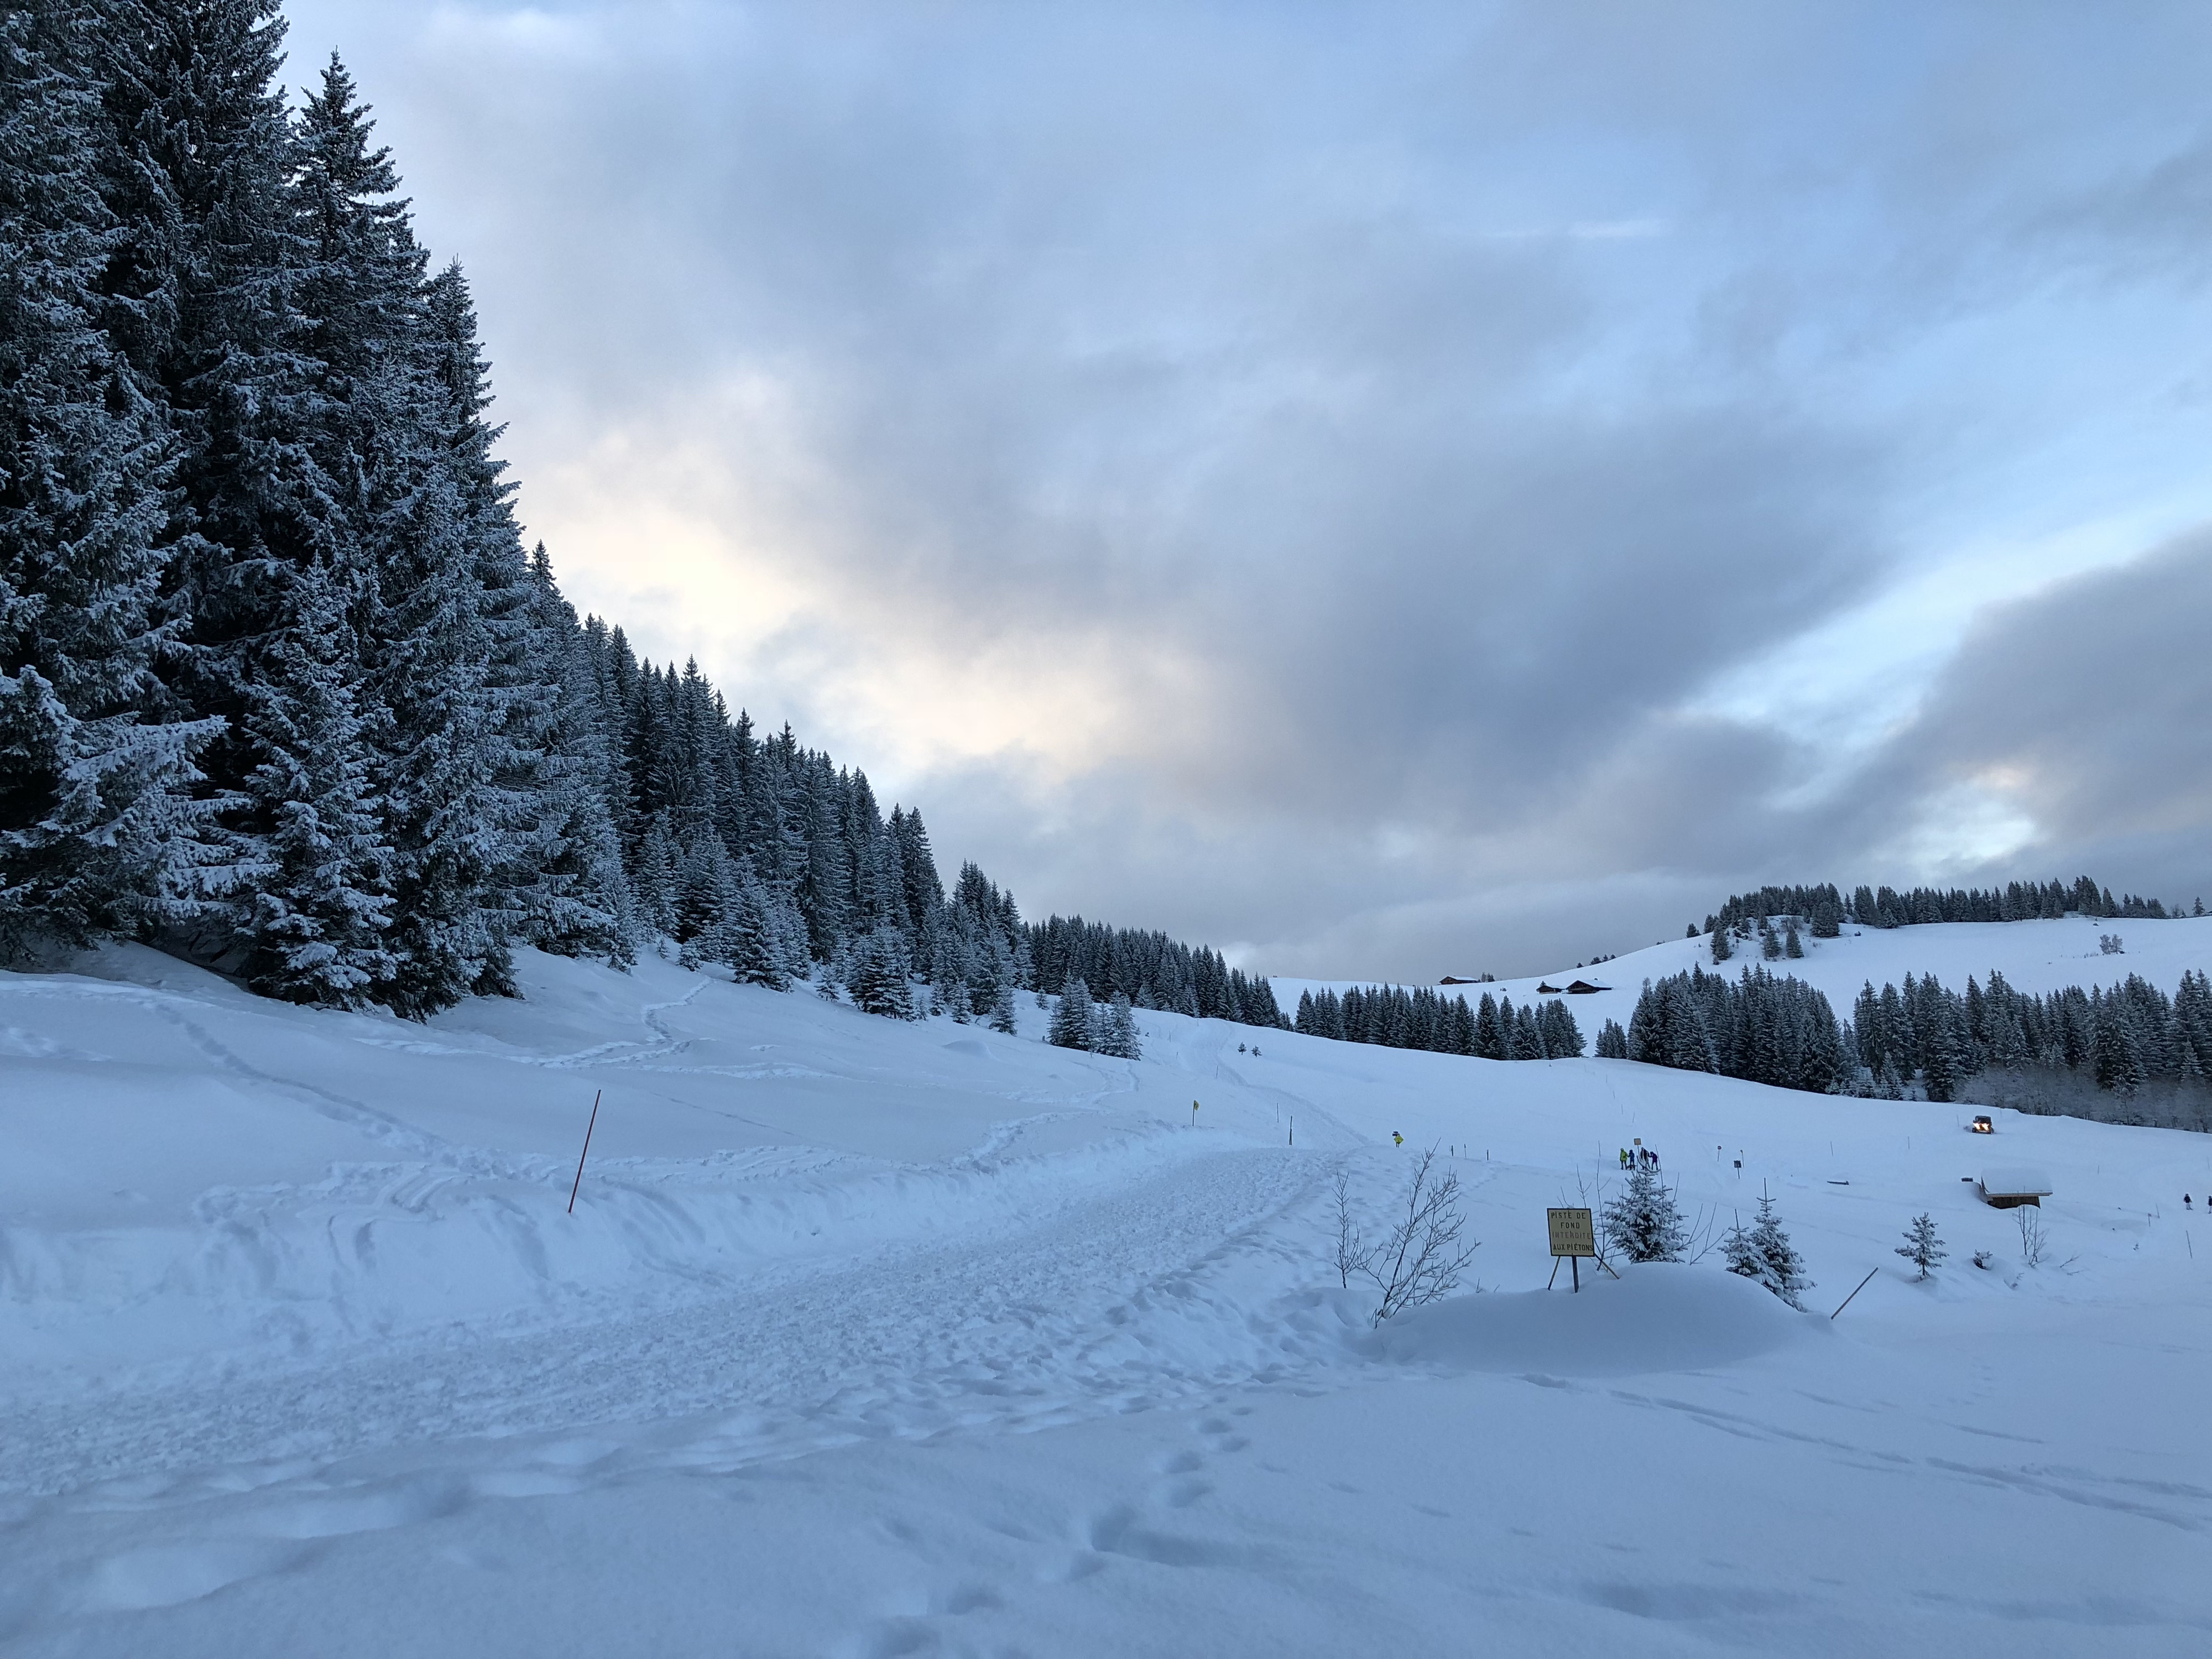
[(1657, 1317)]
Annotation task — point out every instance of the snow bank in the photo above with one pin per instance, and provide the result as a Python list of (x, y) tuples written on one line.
[(1662, 1316)]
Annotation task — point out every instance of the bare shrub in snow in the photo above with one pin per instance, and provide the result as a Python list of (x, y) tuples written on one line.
[(2033, 1241), (1421, 1259), (1353, 1254)]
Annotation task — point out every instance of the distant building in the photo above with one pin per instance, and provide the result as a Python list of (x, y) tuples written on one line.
[(2007, 1189)]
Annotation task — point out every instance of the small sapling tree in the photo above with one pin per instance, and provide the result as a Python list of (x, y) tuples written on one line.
[(1921, 1247), (2032, 1240), (1763, 1251), (1644, 1223), (1353, 1254)]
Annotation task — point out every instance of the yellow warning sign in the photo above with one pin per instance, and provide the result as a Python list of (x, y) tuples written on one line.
[(1572, 1232)]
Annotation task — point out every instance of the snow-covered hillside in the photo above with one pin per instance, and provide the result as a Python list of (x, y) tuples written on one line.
[(867, 1337), (2036, 956)]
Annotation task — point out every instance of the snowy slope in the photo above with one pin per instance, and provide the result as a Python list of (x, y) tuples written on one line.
[(870, 1338), (2035, 956)]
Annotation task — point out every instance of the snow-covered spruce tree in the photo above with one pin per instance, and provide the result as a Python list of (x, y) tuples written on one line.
[(1612, 1042), (1723, 950), (1118, 1032), (1763, 1251), (456, 773), (924, 890), (1668, 1027), (1643, 1221), (578, 902), (1790, 947), (267, 578), (654, 878), (877, 973), (1942, 1049), (757, 938), (1002, 1010), (704, 887), (953, 946), (98, 831), (2118, 1043), (821, 888), (320, 881), (1489, 1029), (1921, 1247), (1562, 1037), (1073, 1025)]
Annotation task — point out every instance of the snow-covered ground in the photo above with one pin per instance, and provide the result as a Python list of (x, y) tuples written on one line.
[(2040, 956), (877, 1339)]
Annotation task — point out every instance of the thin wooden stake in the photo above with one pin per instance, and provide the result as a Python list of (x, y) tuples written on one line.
[(1863, 1283), (586, 1152)]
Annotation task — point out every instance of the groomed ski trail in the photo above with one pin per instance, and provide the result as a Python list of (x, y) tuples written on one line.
[(1141, 1294)]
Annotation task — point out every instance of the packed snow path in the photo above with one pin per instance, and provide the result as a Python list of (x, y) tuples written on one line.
[(878, 1338), (1107, 1301)]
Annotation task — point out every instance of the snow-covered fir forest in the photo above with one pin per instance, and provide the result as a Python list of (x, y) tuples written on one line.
[(2127, 1054), (1442, 1021), (283, 691), (1825, 908)]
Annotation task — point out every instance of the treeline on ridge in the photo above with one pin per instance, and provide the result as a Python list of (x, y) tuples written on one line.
[(1150, 970), (1825, 908), (1762, 1027), (2130, 1053), (1492, 1029), (2127, 1054)]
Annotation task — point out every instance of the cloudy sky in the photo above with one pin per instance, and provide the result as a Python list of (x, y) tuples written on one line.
[(1386, 492)]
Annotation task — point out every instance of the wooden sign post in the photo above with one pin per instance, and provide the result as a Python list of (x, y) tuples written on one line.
[(1573, 1237)]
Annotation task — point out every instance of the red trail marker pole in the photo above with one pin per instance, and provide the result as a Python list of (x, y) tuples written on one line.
[(586, 1152)]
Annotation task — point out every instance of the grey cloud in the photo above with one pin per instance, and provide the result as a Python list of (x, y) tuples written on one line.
[(2089, 704), (1263, 344)]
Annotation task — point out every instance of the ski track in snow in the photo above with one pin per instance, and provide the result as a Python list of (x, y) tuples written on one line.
[(1056, 1316)]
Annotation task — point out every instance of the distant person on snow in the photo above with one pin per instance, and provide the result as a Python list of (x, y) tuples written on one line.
[(1399, 1139)]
